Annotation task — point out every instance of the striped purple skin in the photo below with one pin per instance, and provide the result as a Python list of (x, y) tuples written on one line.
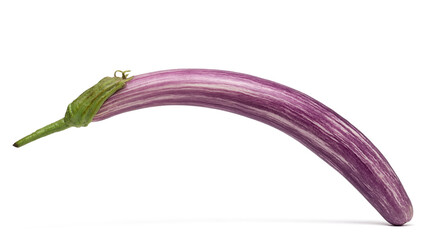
[(310, 122)]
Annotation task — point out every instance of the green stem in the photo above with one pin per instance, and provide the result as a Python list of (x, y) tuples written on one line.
[(82, 110), (49, 129)]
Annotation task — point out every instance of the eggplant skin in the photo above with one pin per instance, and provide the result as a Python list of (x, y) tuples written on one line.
[(307, 120)]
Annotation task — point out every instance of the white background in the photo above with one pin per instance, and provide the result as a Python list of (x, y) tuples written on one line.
[(192, 173)]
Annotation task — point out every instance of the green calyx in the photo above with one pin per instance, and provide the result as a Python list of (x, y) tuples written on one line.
[(82, 110)]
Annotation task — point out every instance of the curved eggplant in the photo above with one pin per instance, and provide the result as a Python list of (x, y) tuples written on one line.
[(307, 120)]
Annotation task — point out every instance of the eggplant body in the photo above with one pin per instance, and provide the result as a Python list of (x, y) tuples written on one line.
[(307, 120)]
